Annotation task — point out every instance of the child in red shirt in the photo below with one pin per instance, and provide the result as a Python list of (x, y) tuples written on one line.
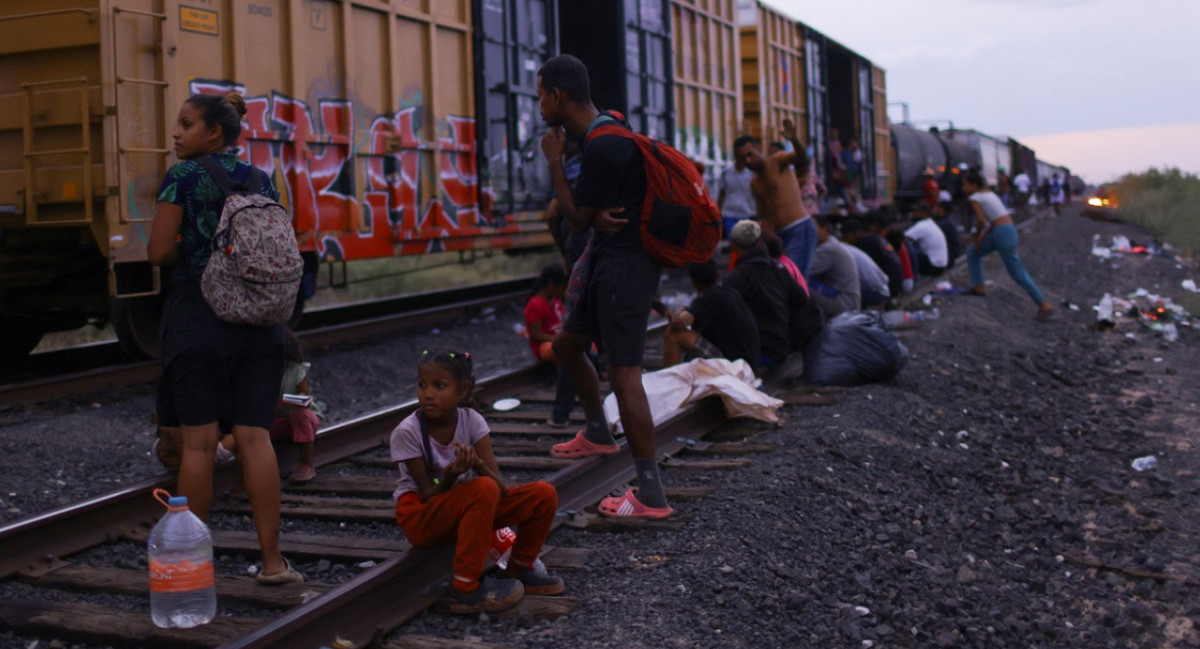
[(544, 313)]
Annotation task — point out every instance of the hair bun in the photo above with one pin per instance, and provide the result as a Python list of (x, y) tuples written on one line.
[(238, 102)]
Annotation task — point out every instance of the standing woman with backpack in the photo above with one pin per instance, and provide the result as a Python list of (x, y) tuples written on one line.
[(213, 371)]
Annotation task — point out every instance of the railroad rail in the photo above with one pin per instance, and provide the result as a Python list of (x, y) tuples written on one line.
[(361, 611), (351, 323)]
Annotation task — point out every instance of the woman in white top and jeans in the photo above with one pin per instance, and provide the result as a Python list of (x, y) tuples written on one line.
[(995, 232)]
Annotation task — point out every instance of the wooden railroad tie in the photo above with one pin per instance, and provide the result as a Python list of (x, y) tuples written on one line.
[(505, 462), (134, 582), (103, 625), (430, 642), (597, 523), (706, 465)]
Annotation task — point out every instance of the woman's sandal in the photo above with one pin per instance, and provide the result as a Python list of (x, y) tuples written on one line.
[(288, 576), (628, 506), (581, 447)]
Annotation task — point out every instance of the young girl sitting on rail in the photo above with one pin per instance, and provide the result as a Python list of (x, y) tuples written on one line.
[(450, 489)]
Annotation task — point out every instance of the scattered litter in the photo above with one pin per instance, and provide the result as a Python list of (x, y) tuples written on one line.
[(1070, 305), (943, 286), (861, 611), (927, 300), (962, 434), (1104, 313), (505, 405), (1158, 359), (252, 570), (1190, 285), (436, 331), (1121, 243), (1144, 463), (367, 564)]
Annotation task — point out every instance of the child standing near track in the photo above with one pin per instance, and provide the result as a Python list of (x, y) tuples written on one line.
[(450, 489), (544, 313), (295, 422)]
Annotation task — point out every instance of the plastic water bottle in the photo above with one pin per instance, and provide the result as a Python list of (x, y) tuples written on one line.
[(182, 589), (502, 542)]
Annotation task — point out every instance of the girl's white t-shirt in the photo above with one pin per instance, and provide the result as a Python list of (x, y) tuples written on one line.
[(993, 207), (406, 444)]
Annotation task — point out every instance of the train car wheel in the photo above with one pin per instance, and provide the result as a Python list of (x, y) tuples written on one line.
[(136, 321), (16, 341)]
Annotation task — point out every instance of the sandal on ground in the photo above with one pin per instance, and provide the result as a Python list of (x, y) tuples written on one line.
[(302, 474), (976, 291), (628, 506), (289, 576), (581, 447)]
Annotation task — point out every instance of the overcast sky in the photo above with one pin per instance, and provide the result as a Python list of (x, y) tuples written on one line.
[(1102, 86)]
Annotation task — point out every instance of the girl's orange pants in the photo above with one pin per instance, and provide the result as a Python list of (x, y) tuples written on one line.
[(470, 513)]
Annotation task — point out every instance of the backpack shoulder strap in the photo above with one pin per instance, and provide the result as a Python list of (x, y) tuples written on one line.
[(612, 128), (254, 181), (252, 185), (217, 173)]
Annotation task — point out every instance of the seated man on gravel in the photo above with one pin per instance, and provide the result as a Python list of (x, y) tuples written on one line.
[(833, 282), (854, 232), (933, 253), (717, 324), (785, 320)]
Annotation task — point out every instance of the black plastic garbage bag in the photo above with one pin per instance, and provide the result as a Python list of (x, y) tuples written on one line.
[(854, 348)]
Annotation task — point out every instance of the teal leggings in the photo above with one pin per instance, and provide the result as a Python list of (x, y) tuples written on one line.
[(1002, 239)]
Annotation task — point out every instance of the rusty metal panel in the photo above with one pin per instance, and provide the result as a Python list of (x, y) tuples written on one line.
[(773, 74), (708, 99)]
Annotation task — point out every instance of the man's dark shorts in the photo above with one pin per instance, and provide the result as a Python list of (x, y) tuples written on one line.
[(615, 307)]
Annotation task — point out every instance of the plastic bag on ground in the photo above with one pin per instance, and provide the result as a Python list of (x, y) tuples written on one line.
[(854, 348), (672, 388)]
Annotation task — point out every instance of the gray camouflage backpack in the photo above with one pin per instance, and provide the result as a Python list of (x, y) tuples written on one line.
[(254, 273)]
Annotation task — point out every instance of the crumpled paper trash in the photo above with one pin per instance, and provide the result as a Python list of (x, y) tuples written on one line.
[(672, 388)]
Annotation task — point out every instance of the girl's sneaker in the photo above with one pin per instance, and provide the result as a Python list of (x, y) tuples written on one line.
[(492, 596), (541, 583), (224, 455)]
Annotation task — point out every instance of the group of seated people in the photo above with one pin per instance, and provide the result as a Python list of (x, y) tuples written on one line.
[(763, 307)]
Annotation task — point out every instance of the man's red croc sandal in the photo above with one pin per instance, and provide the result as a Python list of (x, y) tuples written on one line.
[(581, 447), (628, 506)]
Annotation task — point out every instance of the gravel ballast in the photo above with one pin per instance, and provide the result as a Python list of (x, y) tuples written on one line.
[(983, 498)]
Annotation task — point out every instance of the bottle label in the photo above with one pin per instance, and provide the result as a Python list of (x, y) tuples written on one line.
[(180, 577)]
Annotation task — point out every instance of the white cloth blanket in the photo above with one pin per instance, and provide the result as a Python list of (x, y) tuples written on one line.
[(672, 388)]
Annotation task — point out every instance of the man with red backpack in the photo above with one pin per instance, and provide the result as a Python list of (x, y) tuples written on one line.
[(621, 279)]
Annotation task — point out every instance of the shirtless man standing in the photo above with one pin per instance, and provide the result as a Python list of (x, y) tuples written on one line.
[(778, 194)]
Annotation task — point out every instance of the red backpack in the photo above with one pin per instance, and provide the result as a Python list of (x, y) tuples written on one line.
[(681, 223)]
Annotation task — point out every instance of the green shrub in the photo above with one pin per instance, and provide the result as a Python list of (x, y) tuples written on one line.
[(1164, 202)]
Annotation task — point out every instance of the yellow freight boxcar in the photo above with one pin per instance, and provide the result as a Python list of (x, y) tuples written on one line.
[(363, 112), (707, 78), (773, 72)]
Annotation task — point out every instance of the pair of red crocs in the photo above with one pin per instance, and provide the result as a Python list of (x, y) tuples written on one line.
[(624, 506)]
